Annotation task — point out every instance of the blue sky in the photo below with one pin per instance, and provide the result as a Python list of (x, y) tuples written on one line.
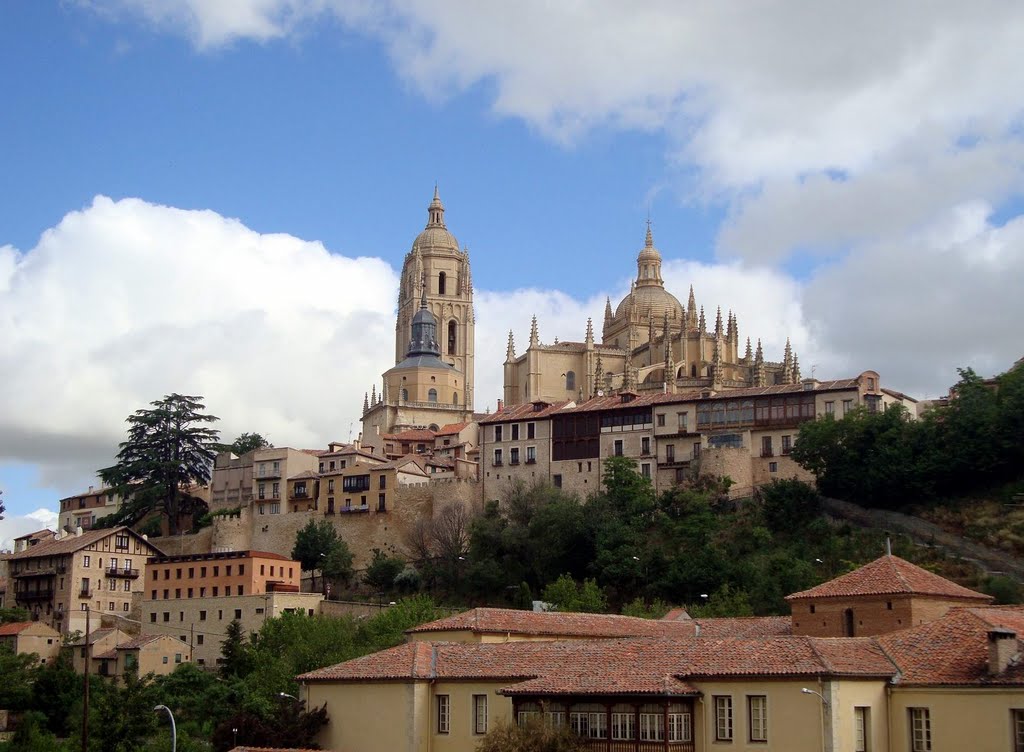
[(855, 192)]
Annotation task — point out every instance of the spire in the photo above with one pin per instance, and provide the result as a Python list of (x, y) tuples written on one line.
[(759, 374), (716, 362), (534, 338), (366, 403), (787, 364), (423, 292), (750, 353), (384, 391), (627, 377), (796, 369), (691, 310), (373, 395), (607, 311), (651, 336), (435, 212), (670, 363), (718, 322), (510, 351), (598, 374), (589, 339), (703, 324), (649, 241), (731, 333), (648, 263)]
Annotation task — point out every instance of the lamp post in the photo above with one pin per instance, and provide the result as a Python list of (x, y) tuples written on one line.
[(290, 697), (174, 729), (824, 708)]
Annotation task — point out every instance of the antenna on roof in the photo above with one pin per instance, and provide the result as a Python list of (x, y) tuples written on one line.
[(888, 546)]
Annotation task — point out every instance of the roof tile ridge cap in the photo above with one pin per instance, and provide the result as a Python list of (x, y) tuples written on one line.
[(899, 575), (896, 667), (433, 661), (813, 645)]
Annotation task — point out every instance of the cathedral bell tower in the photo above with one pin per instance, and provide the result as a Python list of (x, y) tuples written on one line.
[(436, 268)]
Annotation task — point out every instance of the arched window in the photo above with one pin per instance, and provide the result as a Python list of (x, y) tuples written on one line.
[(432, 395), (453, 332), (455, 398), (693, 370), (570, 380), (405, 395), (441, 279), (848, 623)]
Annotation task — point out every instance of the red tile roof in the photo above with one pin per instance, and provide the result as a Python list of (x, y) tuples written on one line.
[(525, 411), (413, 434), (889, 575), (71, 543), (556, 624), (451, 428), (745, 626), (953, 650), (14, 627)]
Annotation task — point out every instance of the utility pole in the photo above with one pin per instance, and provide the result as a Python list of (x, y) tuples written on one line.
[(191, 637), (85, 695)]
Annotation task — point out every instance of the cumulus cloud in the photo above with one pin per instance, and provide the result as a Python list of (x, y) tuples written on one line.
[(123, 302), (14, 527)]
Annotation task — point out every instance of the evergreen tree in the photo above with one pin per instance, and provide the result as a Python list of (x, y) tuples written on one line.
[(234, 651), (168, 447)]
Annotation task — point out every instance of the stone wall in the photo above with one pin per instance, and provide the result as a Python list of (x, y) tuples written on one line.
[(194, 543), (732, 462)]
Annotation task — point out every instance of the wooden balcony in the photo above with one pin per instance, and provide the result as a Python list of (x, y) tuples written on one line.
[(129, 574)]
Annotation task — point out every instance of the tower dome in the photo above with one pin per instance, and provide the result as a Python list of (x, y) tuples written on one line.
[(435, 236), (649, 294)]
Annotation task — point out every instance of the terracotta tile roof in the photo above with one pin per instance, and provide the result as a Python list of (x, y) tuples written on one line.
[(109, 655), (44, 534), (524, 411), (953, 650), (889, 575), (451, 428), (413, 434), (14, 627), (745, 626), (676, 614), (621, 666), (137, 642), (314, 452), (555, 624), (305, 474), (97, 634), (71, 543), (418, 461)]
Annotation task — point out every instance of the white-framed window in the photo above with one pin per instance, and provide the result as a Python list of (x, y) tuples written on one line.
[(531, 431), (85, 561), (920, 730), (531, 454), (554, 718), (275, 490), (623, 725), (645, 470), (757, 717), (861, 729), (723, 718), (683, 421), (847, 406), (515, 432), (275, 507), (645, 445), (652, 727), (830, 408), (497, 458), (498, 433), (479, 714), (523, 717), (590, 724), (680, 727), (444, 715), (513, 455), (1017, 718)]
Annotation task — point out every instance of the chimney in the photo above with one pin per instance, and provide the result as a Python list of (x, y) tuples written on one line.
[(1002, 647), (78, 531), (501, 405)]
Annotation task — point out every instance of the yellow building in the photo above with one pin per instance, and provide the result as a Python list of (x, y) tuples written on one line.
[(431, 384), (31, 637), (952, 683), (148, 654), (85, 509)]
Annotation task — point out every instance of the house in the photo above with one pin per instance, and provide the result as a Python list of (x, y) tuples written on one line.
[(31, 637), (156, 654), (99, 641), (697, 685), (61, 578)]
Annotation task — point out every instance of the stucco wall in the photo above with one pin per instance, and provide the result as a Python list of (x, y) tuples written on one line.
[(977, 719)]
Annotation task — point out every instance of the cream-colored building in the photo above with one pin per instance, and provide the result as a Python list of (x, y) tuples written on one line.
[(100, 641), (431, 383), (649, 342), (147, 654), (258, 477), (31, 637), (85, 509), (953, 683), (201, 623), (59, 579)]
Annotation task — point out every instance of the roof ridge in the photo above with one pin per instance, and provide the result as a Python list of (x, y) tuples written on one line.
[(891, 560), (826, 664)]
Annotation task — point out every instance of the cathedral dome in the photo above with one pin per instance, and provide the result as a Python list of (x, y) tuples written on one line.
[(435, 236), (656, 300)]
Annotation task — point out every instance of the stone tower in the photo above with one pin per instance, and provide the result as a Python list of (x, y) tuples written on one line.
[(435, 265)]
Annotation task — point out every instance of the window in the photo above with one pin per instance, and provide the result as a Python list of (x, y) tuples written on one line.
[(652, 727), (442, 279), (680, 727), (920, 730), (202, 616), (238, 613), (661, 419), (1017, 718), (199, 639), (121, 542), (622, 725), (787, 444), (570, 380), (275, 491), (432, 395), (847, 406), (381, 502), (696, 449), (645, 470), (453, 336), (497, 433), (152, 618), (177, 657), (773, 467), (261, 491), (275, 507), (723, 718), (531, 455), (670, 453), (515, 431), (645, 445), (757, 717), (766, 446), (556, 480), (531, 431), (443, 714), (405, 398), (871, 384), (479, 714), (167, 615), (618, 448), (497, 458), (589, 721), (861, 729), (683, 421), (85, 561), (830, 408)]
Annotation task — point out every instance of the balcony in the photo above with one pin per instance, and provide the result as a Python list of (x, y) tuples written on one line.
[(85, 593), (767, 453), (34, 595), (130, 574), (41, 572), (531, 460), (297, 495), (355, 510)]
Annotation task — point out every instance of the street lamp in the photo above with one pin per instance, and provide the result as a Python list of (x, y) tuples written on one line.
[(290, 697), (174, 730), (824, 705)]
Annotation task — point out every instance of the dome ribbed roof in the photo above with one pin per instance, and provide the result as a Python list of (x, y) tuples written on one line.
[(657, 300), (435, 236)]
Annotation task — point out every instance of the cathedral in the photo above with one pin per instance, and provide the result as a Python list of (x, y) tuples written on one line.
[(431, 383), (649, 342)]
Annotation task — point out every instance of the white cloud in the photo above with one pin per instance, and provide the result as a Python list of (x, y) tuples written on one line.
[(126, 301), (14, 527)]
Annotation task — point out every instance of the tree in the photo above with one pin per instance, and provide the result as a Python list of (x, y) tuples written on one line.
[(234, 651), (247, 442), (290, 725), (532, 736), (382, 570), (8, 615), (314, 545), (337, 566), (168, 448), (565, 595)]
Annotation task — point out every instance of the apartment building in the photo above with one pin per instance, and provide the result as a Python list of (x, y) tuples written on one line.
[(59, 579), (693, 685), (369, 488), (194, 597), (745, 434), (257, 477), (31, 637), (85, 509)]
